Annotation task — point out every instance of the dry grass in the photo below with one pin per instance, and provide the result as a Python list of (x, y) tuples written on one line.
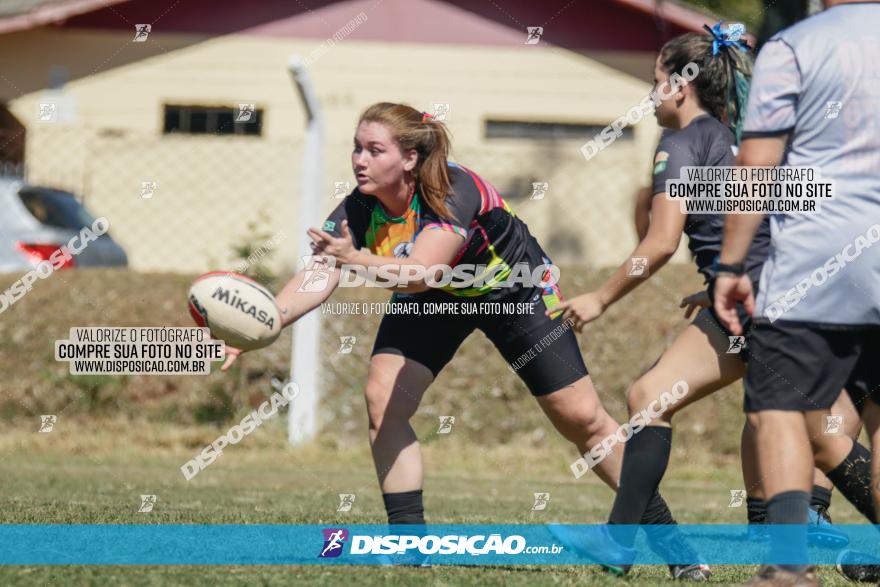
[(489, 402)]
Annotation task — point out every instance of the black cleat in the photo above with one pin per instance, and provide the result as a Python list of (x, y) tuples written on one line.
[(858, 566)]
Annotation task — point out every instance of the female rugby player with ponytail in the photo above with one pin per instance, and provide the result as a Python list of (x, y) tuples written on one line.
[(414, 209), (704, 119)]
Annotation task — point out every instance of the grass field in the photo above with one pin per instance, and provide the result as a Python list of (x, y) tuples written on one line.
[(119, 437), (489, 402), (94, 472)]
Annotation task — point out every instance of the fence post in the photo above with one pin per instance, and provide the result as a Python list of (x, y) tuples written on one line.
[(302, 425)]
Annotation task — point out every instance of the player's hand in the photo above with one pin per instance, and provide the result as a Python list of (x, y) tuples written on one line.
[(342, 248), (231, 354), (694, 301), (730, 289), (582, 309)]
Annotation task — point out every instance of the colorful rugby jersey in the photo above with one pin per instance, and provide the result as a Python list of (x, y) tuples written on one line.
[(493, 235)]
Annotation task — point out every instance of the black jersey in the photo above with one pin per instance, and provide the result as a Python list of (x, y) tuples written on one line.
[(705, 142)]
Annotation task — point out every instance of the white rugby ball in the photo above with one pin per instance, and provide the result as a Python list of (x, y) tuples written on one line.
[(237, 309)]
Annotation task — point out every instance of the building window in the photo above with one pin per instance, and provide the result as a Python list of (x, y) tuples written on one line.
[(553, 131), (210, 120)]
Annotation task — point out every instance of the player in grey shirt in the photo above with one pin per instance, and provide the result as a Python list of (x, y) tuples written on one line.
[(816, 326)]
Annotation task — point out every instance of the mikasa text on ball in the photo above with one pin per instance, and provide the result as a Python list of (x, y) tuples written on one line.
[(237, 309)]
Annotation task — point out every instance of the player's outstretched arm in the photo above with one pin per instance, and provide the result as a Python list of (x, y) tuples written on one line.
[(305, 291), (658, 246), (431, 248)]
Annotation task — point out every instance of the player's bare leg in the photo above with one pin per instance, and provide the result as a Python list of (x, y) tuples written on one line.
[(394, 390)]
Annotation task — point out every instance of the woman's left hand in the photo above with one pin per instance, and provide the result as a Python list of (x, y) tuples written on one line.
[(694, 301), (342, 248), (582, 309)]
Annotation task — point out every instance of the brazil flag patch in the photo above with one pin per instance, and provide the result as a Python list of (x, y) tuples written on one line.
[(660, 162)]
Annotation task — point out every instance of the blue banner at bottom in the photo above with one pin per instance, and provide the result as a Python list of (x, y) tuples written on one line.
[(434, 544)]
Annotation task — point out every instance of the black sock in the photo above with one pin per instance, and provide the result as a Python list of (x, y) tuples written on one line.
[(657, 511), (852, 478), (820, 498), (645, 458), (757, 510), (787, 511), (405, 507)]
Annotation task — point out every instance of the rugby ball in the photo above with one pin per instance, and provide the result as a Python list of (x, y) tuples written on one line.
[(238, 310)]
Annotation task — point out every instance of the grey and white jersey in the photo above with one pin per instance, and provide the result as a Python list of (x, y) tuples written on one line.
[(819, 82)]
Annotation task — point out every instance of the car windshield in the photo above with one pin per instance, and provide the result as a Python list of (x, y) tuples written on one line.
[(55, 208)]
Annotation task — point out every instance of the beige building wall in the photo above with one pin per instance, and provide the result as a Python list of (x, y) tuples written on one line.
[(209, 188)]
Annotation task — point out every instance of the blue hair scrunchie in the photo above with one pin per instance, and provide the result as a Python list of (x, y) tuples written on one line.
[(722, 38), (739, 83)]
